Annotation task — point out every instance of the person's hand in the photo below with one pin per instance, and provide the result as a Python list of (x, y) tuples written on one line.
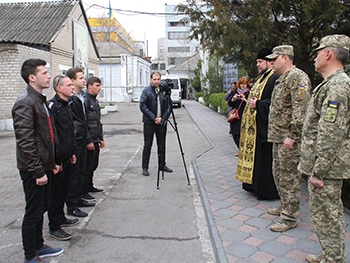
[(41, 181), (90, 146), (102, 144), (73, 159), (315, 182), (158, 120), (288, 143), (253, 103), (57, 169)]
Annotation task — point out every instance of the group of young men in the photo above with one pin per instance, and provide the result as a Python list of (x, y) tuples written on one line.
[(307, 132), (58, 144)]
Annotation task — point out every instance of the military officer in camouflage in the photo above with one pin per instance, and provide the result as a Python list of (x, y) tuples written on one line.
[(325, 147), (287, 111)]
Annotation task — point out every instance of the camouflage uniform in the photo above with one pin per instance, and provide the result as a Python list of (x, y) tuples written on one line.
[(287, 110), (325, 154)]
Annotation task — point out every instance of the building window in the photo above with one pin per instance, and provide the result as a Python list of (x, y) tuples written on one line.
[(154, 67), (178, 35), (179, 49), (178, 24), (162, 66)]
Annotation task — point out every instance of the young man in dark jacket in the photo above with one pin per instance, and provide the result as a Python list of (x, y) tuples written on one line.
[(75, 194), (94, 139), (60, 106), (37, 156), (156, 112)]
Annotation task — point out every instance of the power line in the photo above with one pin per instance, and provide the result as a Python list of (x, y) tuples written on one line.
[(133, 12)]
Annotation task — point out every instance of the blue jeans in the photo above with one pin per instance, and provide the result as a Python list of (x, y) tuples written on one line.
[(37, 200)]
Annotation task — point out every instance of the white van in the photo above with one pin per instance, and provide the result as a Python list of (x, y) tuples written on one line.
[(176, 91)]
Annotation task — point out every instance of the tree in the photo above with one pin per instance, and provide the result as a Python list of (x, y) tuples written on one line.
[(196, 81), (214, 76), (237, 29)]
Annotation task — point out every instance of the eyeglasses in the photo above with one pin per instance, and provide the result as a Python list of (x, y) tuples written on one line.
[(57, 79)]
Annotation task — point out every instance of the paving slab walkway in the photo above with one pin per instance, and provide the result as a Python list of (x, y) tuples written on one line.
[(238, 222)]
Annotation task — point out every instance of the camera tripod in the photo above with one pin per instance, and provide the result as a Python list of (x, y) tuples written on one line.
[(161, 153)]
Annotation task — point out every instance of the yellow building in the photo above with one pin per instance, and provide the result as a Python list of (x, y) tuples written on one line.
[(105, 30)]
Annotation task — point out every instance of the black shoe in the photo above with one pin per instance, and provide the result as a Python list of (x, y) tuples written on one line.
[(60, 234), (166, 169), (95, 190), (145, 172), (83, 203), (77, 212), (69, 222), (88, 198)]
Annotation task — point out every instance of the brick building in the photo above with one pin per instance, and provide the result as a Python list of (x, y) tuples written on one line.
[(57, 32)]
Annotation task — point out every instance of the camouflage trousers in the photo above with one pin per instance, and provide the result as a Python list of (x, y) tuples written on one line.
[(327, 216), (288, 180)]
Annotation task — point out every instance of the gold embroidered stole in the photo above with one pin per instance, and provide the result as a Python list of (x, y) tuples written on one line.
[(247, 142)]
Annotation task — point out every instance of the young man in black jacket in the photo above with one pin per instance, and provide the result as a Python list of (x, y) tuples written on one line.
[(94, 139), (37, 154), (60, 106), (155, 115), (75, 196)]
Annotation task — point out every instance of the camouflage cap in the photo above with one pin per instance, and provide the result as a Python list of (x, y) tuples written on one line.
[(338, 41), (281, 50)]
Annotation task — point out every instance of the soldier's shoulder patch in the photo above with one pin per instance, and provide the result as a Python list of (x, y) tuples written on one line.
[(302, 91), (331, 111)]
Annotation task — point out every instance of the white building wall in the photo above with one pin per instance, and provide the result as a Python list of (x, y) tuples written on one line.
[(192, 45), (129, 78)]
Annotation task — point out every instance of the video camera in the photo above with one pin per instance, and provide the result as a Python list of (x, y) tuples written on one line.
[(166, 86)]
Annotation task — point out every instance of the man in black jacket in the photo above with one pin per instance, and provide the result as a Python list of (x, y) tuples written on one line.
[(62, 113), (94, 139), (75, 193), (156, 112), (37, 156)]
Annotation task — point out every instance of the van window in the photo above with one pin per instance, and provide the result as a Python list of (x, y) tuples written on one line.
[(175, 82)]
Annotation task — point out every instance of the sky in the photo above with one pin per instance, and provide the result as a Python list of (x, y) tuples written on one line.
[(143, 27)]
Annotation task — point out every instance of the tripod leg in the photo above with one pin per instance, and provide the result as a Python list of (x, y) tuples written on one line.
[(180, 145)]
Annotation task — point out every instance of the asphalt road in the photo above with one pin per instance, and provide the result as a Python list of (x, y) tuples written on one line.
[(132, 221)]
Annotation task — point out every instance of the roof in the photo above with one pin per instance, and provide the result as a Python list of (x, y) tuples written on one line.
[(190, 64), (37, 23), (113, 49)]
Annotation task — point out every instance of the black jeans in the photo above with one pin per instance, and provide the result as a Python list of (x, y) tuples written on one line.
[(148, 133), (58, 191), (77, 178), (92, 158), (37, 200)]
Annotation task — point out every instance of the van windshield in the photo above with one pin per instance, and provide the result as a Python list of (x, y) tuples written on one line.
[(175, 82)]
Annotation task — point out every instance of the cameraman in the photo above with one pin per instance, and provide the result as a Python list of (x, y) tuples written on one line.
[(156, 109)]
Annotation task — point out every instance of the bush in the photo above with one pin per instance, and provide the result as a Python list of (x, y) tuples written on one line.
[(199, 94), (217, 100)]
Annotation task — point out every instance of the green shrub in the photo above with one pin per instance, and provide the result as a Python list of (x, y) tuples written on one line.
[(217, 100), (199, 94)]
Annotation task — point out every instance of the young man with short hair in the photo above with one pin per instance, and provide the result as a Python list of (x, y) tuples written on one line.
[(60, 106), (37, 154), (94, 139)]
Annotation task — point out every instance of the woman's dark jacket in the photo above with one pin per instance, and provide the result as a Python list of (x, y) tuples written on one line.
[(236, 126)]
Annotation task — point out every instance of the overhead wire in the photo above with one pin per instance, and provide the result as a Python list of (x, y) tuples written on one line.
[(132, 12)]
